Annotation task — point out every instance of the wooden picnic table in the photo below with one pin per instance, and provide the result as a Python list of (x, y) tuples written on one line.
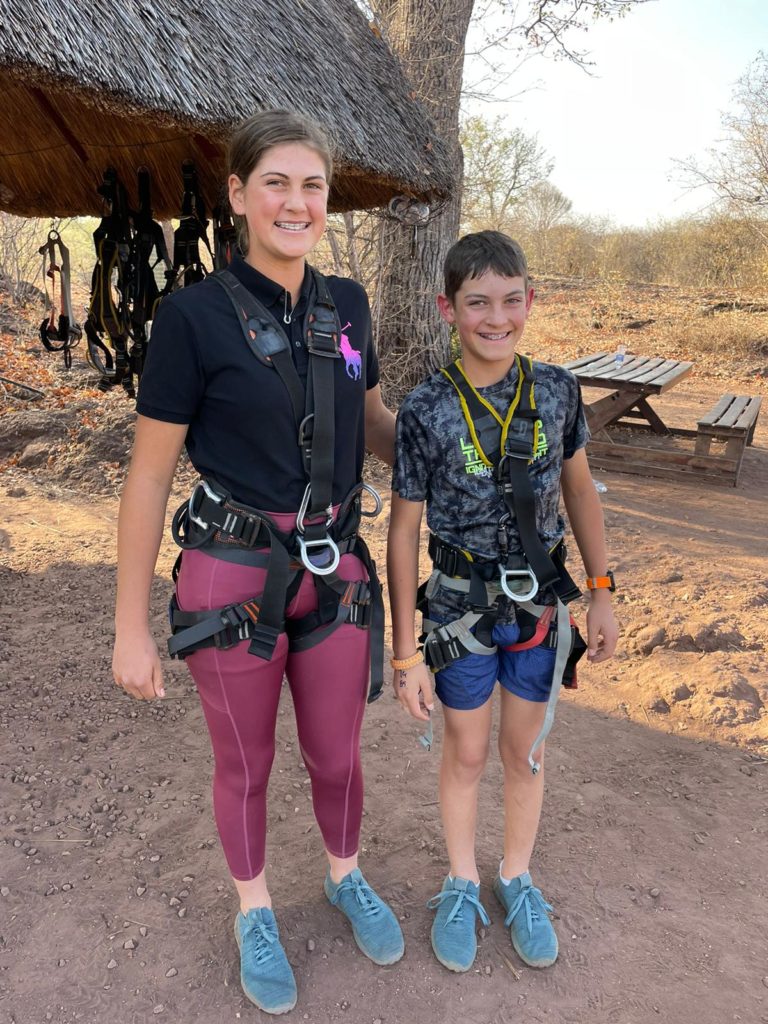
[(631, 384)]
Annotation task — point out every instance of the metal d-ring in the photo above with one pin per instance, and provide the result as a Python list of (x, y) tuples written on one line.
[(306, 561), (506, 574), (376, 497)]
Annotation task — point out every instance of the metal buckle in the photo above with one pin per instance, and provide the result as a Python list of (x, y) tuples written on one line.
[(218, 498), (506, 574), (306, 561), (376, 497)]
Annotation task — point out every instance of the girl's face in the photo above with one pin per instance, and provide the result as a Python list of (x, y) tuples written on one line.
[(284, 201)]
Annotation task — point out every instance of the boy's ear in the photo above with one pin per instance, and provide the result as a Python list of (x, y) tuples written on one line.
[(235, 189), (529, 300), (447, 311)]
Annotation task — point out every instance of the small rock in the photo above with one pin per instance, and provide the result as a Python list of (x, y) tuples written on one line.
[(408, 885), (129, 944), (183, 912), (698, 837), (112, 965), (344, 1004), (310, 945), (140, 890), (62, 962), (5, 891), (672, 577), (143, 931), (158, 1009), (171, 972), (154, 858), (174, 902), (655, 893), (765, 981), (488, 969)]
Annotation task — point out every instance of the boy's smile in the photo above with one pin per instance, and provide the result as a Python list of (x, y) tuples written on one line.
[(490, 314)]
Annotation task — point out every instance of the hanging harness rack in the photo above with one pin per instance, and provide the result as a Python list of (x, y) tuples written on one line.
[(60, 334)]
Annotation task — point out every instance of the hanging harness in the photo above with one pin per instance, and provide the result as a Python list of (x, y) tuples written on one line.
[(188, 267), (224, 238), (211, 519), (148, 251), (107, 324), (507, 446), (64, 333)]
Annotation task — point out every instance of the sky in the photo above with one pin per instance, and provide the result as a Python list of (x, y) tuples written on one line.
[(661, 79)]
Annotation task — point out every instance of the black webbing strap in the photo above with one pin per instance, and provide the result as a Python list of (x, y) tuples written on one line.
[(514, 481), (322, 339)]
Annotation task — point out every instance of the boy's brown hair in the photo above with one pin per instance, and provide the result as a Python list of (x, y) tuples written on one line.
[(477, 253)]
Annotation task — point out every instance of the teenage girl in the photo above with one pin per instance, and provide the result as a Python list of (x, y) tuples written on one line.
[(204, 388)]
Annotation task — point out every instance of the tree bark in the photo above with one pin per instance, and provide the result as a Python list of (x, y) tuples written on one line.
[(428, 37)]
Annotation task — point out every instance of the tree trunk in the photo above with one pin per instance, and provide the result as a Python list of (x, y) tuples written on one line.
[(428, 37)]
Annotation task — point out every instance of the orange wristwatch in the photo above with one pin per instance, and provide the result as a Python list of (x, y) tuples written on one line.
[(606, 582)]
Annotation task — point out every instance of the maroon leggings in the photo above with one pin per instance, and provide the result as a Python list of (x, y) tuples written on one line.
[(240, 695)]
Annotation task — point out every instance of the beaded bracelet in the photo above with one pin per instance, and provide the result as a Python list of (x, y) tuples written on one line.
[(401, 664)]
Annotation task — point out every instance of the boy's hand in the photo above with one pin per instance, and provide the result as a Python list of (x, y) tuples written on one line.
[(602, 628), (413, 688)]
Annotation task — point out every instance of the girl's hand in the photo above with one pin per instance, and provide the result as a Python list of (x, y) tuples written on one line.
[(136, 666), (413, 688)]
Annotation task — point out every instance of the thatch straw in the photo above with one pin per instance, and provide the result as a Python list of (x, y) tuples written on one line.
[(86, 84)]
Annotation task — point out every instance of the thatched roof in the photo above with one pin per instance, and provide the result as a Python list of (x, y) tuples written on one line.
[(86, 84)]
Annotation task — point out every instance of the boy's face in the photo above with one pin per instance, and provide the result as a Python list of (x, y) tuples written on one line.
[(490, 314)]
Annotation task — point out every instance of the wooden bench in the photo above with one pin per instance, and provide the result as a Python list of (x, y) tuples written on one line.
[(732, 421)]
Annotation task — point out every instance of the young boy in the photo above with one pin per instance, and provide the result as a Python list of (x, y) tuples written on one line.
[(488, 444)]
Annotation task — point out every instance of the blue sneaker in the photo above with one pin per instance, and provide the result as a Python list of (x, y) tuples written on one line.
[(374, 926), (528, 921), (265, 973), (454, 939)]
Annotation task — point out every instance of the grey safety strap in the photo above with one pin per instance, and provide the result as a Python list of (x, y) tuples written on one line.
[(562, 650)]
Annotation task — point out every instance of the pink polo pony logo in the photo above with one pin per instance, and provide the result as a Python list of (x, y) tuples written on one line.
[(352, 357)]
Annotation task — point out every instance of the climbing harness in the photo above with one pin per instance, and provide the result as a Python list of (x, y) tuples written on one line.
[(60, 334), (506, 446), (108, 321), (188, 267), (233, 531), (224, 238), (148, 252)]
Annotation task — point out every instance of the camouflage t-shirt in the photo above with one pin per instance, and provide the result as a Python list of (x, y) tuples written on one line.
[(436, 462)]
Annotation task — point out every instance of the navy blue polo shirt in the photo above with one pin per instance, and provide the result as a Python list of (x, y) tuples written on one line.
[(242, 433)]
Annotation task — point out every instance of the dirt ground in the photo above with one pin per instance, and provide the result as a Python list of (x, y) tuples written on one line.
[(114, 897)]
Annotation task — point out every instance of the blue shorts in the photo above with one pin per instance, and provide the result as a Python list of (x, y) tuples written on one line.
[(468, 683)]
